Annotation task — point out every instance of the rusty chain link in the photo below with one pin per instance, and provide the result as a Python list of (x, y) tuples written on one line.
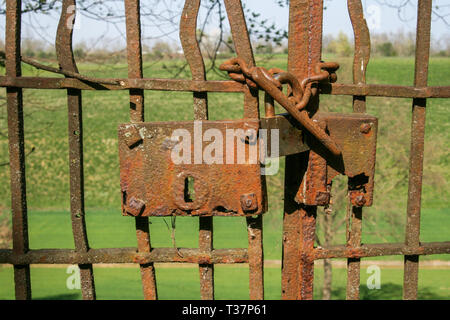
[(271, 81)]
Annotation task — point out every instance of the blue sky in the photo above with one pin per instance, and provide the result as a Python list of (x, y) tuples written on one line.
[(380, 18)]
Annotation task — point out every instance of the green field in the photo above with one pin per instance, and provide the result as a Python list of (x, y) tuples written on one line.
[(48, 183)]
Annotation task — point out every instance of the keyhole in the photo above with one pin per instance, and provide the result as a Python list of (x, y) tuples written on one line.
[(189, 191)]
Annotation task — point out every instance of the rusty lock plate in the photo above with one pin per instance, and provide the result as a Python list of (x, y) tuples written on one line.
[(198, 168), (356, 136)]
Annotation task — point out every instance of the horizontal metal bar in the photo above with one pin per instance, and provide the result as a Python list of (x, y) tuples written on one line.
[(124, 255), (376, 250), (377, 90), (217, 256), (122, 84)]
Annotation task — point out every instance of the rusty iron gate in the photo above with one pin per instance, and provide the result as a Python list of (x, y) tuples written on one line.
[(317, 146)]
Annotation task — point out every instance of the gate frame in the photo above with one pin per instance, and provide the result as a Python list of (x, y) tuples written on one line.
[(299, 253)]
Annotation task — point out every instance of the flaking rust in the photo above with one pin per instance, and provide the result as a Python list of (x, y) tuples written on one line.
[(166, 168), (356, 136)]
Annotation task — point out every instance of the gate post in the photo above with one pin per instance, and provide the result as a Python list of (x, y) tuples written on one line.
[(305, 46)]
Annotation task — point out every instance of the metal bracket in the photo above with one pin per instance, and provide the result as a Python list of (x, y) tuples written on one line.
[(356, 136)]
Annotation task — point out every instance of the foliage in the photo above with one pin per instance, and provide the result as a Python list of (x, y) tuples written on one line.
[(386, 49), (161, 50), (340, 46)]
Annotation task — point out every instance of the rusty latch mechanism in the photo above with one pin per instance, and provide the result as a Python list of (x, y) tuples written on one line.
[(340, 143), (205, 168), (356, 136)]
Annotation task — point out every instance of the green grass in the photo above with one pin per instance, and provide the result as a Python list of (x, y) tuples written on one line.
[(48, 177), (109, 229), (125, 283)]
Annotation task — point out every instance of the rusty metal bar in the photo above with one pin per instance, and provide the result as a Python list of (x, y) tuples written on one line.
[(354, 264), (65, 72), (308, 213), (307, 238), (368, 90), (75, 131), (256, 257), (217, 256), (244, 51), (124, 255), (295, 164), (191, 48), (189, 42), (411, 272), (134, 54), (379, 90), (361, 60), (206, 270), (123, 84), (305, 46), (310, 24), (22, 279), (385, 249)]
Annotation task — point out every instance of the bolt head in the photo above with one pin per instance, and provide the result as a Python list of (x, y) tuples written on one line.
[(323, 198), (360, 201), (132, 136), (135, 207), (249, 202), (365, 128)]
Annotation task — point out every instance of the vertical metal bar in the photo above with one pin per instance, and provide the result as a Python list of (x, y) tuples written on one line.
[(134, 54), (75, 130), (294, 172), (134, 57), (295, 164), (17, 149), (305, 46), (354, 264), (256, 257), (308, 213), (206, 270), (361, 59), (410, 279), (189, 42), (244, 50), (306, 266)]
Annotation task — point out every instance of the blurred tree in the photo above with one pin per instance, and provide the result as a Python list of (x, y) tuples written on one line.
[(341, 46), (386, 49)]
